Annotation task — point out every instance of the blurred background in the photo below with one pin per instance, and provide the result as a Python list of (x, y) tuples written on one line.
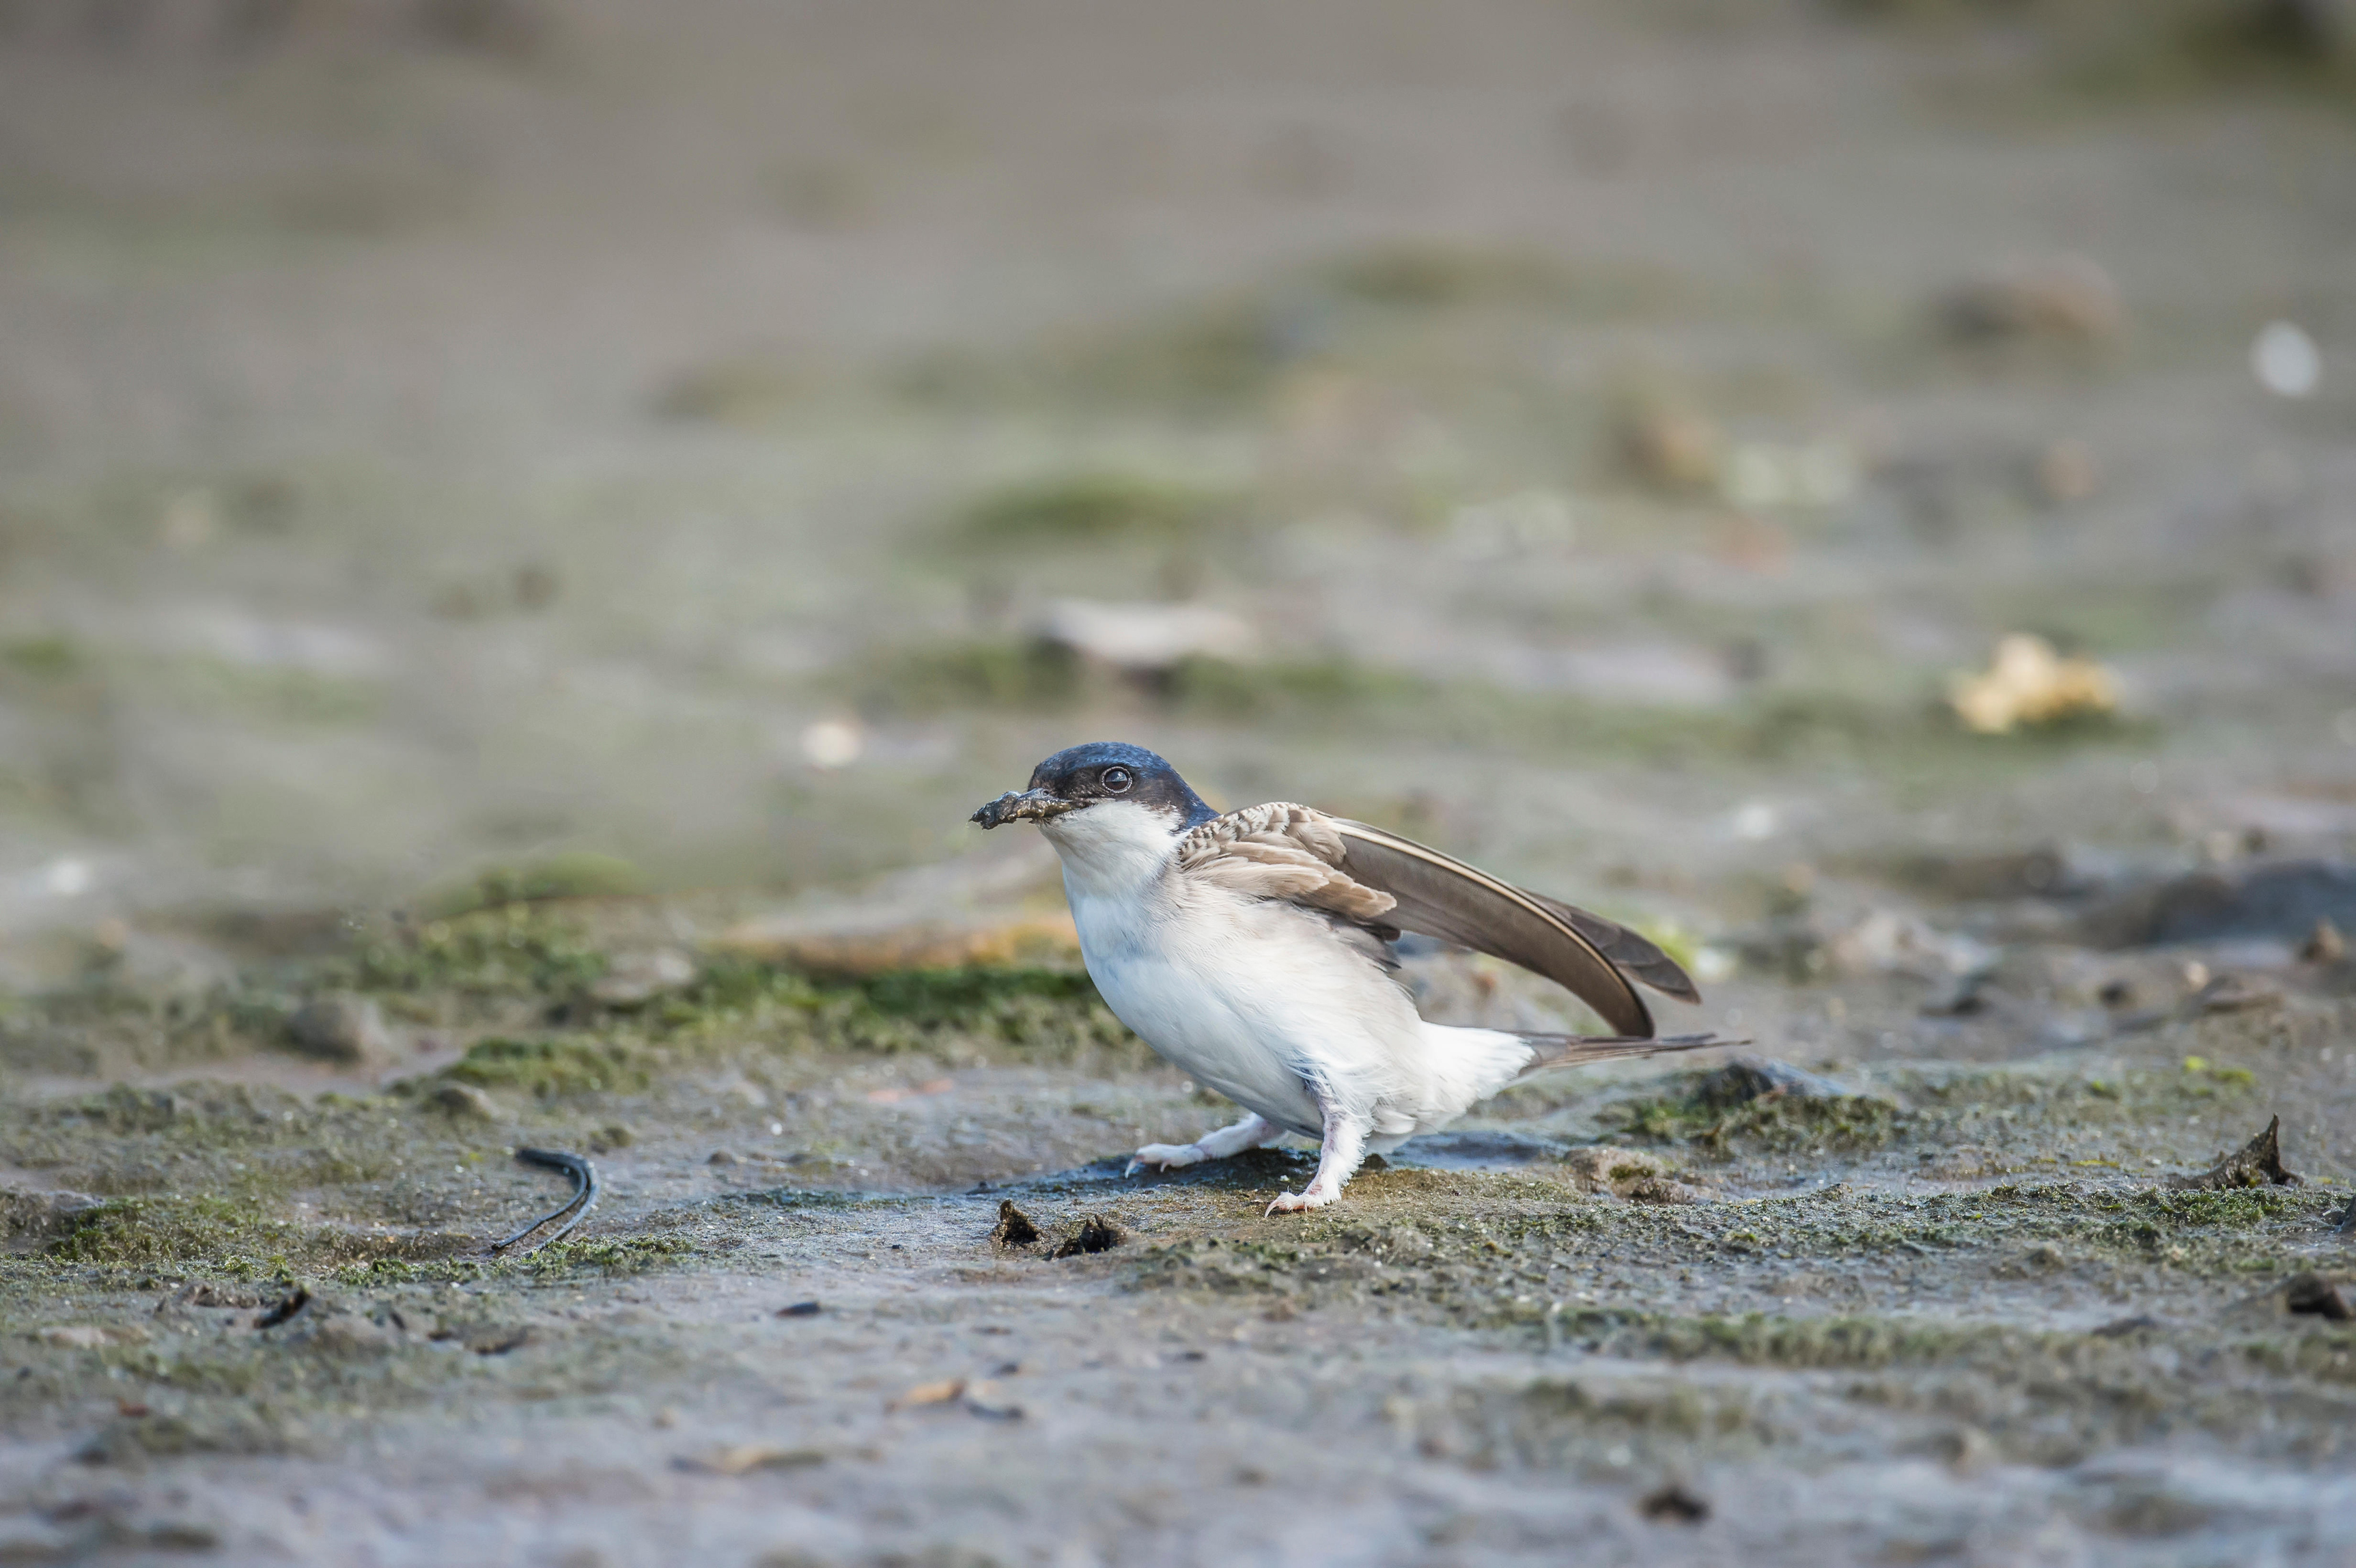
[(1694, 456)]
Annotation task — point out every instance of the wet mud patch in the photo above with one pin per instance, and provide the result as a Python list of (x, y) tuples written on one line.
[(1475, 1150), (1251, 1171), (1710, 1274)]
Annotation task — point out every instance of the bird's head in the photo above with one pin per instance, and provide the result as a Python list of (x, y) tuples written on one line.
[(1092, 778)]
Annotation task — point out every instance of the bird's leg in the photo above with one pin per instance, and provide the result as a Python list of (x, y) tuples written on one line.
[(1338, 1157), (1248, 1133)]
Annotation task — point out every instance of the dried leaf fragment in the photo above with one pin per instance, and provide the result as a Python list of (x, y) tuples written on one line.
[(742, 1458), (2257, 1163), (1014, 1227), (943, 1392), (1098, 1233)]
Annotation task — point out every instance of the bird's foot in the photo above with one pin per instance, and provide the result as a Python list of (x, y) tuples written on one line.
[(1313, 1196), (1165, 1157)]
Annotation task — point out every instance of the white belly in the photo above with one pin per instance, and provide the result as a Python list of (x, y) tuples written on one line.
[(1251, 1000)]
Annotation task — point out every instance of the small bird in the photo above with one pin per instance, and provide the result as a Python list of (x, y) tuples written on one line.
[(1253, 951)]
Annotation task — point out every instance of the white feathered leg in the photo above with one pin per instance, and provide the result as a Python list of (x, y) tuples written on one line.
[(1251, 1132), (1338, 1157)]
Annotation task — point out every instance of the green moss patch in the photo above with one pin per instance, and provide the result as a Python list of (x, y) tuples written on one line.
[(1848, 1123), (226, 1236), (556, 1066), (1095, 507), (514, 950), (1034, 1013)]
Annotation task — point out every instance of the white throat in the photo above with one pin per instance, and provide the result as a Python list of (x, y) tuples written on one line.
[(1112, 847)]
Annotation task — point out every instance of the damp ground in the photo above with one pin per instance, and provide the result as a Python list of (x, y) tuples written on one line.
[(1947, 1309), (524, 532)]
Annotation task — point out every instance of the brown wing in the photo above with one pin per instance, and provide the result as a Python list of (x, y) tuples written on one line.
[(1380, 880), (1631, 954), (1443, 897), (1280, 851)]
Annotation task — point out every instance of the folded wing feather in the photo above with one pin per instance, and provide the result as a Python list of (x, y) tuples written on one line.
[(1629, 953), (1379, 879), (1279, 850)]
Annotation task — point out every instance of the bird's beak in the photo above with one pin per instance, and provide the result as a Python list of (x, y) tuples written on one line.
[(1027, 806)]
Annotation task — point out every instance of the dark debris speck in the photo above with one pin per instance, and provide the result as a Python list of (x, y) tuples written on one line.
[(1014, 1227), (1673, 1504), (1098, 1233)]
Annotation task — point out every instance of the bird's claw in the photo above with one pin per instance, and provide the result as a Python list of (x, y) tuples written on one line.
[(1165, 1157), (1292, 1203)]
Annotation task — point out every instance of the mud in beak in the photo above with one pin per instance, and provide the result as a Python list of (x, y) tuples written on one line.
[(1026, 806)]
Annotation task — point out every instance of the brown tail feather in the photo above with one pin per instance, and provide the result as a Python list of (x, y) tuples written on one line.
[(1577, 1050)]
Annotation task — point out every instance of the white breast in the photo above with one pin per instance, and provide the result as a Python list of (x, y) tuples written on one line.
[(1249, 997), (1255, 998)]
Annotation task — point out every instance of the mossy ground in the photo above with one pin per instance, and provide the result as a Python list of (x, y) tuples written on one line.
[(1973, 1266), (461, 453)]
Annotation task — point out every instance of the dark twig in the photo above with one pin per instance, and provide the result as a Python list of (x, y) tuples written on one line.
[(583, 1198)]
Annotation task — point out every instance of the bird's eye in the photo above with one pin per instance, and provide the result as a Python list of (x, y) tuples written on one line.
[(1115, 780)]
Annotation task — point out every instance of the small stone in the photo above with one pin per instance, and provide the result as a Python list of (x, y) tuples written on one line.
[(1661, 1189), (2230, 993), (612, 1135), (724, 1157), (1674, 1504), (499, 1341), (294, 1301), (1145, 637), (2312, 1295), (1748, 1077), (1958, 996), (345, 1333), (39, 1216), (1391, 1241), (632, 978), (985, 1398), (1606, 1169), (1670, 448), (1965, 1450), (340, 1028), (466, 1102), (800, 1309), (2068, 299), (207, 1293), (2325, 944)]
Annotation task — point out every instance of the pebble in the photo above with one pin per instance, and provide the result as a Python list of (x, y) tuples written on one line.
[(2068, 298), (634, 978), (464, 1100), (340, 1028)]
